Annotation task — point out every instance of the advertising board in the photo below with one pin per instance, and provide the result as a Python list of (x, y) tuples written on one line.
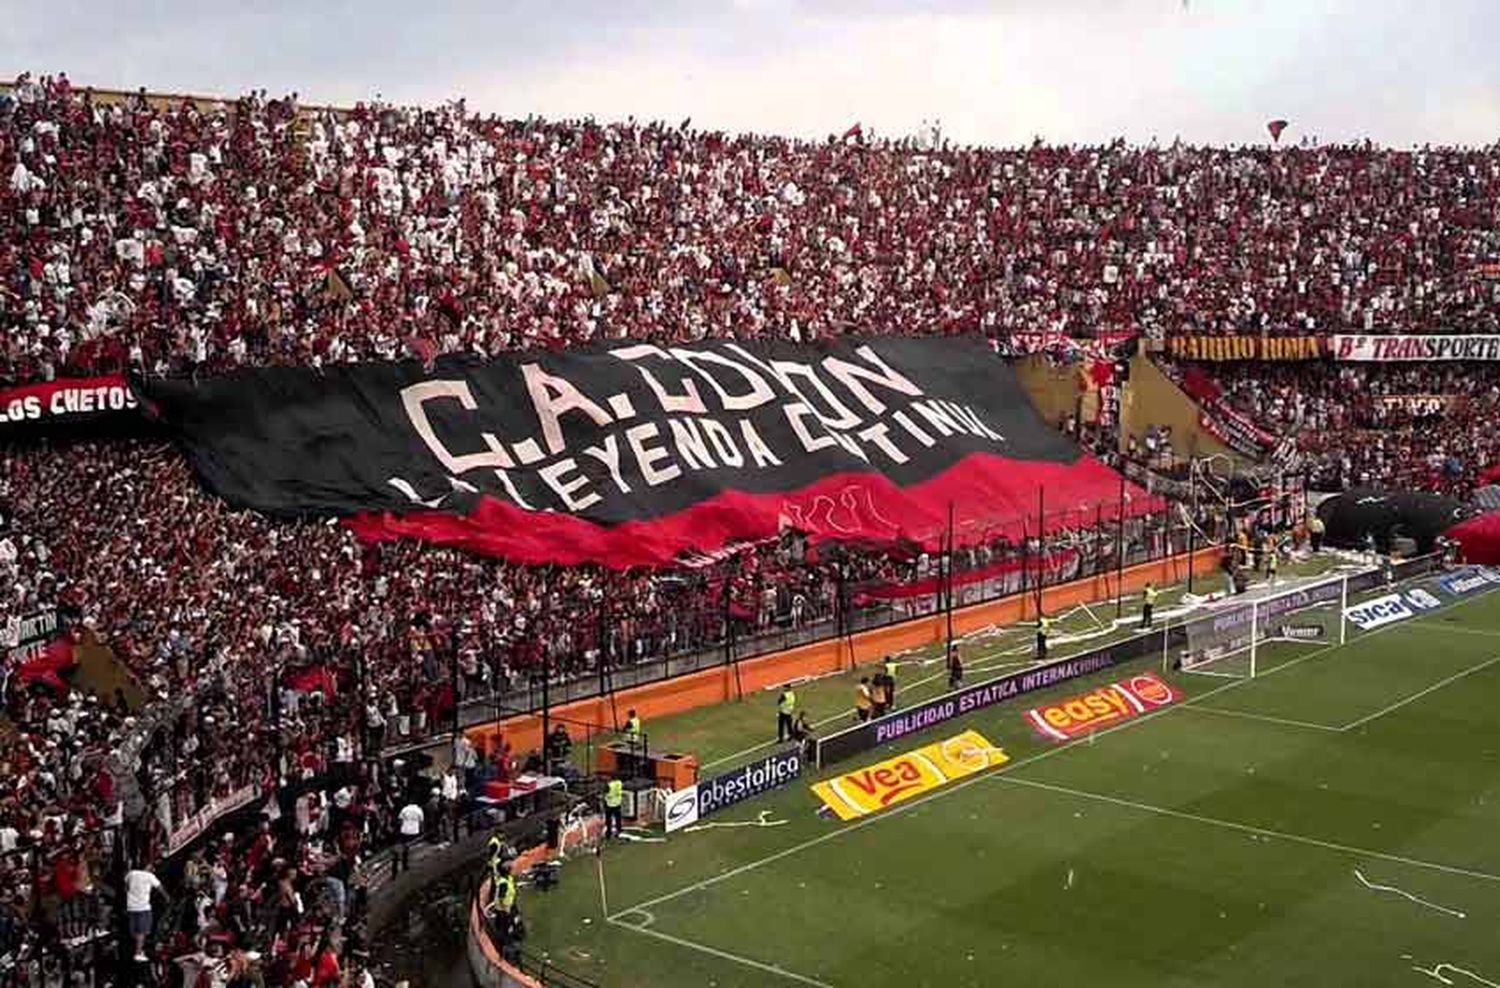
[(689, 805), (875, 787)]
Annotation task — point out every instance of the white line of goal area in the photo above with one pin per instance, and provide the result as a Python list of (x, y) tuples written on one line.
[(1421, 693), (1361, 721), (999, 773)]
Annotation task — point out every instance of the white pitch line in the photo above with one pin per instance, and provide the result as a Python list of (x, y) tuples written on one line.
[(723, 954), (1417, 696), (910, 804), (1246, 828), (1481, 632), (603, 899), (1405, 895), (1246, 715)]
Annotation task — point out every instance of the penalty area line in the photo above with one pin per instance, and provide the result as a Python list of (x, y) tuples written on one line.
[(1265, 718), (704, 948), (1417, 696), (1246, 828)]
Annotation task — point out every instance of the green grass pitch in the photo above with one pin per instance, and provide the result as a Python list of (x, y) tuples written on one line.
[(1334, 821)]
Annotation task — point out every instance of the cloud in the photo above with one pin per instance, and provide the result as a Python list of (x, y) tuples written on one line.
[(1211, 71)]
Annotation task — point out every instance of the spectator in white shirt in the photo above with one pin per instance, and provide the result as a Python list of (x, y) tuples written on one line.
[(410, 821), (139, 884)]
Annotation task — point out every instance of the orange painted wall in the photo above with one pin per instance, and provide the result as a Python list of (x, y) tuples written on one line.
[(484, 957), (717, 685)]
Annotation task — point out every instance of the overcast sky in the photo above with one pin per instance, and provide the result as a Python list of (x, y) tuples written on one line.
[(1001, 72)]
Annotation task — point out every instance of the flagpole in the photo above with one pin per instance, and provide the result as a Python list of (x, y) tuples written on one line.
[(1120, 551), (950, 579), (1041, 534), (1192, 529)]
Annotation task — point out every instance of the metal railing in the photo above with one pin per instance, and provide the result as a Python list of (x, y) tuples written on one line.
[(1086, 541)]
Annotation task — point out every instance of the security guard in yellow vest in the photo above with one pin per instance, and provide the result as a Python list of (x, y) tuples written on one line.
[(635, 739), (502, 895), (1148, 603), (786, 706), (1043, 632), (614, 800), (864, 701), (498, 864)]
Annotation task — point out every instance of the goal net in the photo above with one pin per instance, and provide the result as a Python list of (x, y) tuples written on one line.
[(1229, 641)]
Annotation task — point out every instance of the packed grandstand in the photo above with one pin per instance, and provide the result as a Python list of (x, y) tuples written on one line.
[(265, 655)]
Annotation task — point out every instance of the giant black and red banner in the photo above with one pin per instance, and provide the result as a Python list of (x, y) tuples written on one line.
[(634, 454)]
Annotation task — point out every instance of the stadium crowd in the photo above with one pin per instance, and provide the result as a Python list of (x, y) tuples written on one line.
[(283, 657), (1426, 426), (186, 235)]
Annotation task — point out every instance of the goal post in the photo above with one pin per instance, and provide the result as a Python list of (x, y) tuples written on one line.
[(1231, 639), (1254, 634), (1344, 609)]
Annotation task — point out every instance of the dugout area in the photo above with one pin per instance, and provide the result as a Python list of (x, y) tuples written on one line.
[(1331, 820)]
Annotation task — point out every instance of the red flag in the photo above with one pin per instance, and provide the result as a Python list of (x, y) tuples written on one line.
[(423, 348), (854, 131), (313, 678), (1276, 127), (48, 665)]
